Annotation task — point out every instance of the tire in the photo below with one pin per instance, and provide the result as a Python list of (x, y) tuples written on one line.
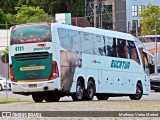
[(1, 88), (102, 97), (78, 96), (139, 93), (157, 90), (51, 98), (38, 97), (90, 92)]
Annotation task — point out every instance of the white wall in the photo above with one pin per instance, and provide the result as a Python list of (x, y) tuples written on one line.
[(3, 39), (3, 45)]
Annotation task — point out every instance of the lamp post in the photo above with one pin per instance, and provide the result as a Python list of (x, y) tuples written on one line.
[(156, 60), (156, 55)]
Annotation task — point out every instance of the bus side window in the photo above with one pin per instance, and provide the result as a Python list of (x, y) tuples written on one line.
[(74, 37), (114, 48), (98, 45), (121, 48), (108, 46), (64, 38), (86, 43), (145, 61), (133, 54)]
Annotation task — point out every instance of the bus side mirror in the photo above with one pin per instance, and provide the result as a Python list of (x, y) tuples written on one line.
[(5, 58)]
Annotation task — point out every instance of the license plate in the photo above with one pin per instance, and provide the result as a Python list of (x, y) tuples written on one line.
[(32, 85)]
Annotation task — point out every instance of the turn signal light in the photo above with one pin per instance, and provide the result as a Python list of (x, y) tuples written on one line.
[(55, 72), (13, 79)]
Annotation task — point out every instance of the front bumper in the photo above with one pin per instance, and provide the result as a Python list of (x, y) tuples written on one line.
[(155, 84)]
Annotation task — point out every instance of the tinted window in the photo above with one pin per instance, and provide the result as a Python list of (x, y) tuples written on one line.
[(144, 61), (114, 48), (30, 33), (121, 48), (74, 38), (64, 38), (69, 39), (133, 51), (99, 45), (109, 46)]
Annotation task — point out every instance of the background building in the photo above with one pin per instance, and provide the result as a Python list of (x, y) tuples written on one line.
[(133, 8), (120, 15)]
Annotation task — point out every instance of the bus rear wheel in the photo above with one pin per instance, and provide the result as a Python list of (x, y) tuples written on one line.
[(102, 97), (37, 97), (90, 90), (78, 96), (157, 90), (139, 93)]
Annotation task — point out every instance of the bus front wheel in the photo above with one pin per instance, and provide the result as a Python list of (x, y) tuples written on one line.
[(78, 96), (139, 93), (38, 97)]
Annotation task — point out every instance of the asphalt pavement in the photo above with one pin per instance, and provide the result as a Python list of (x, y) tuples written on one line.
[(9, 94)]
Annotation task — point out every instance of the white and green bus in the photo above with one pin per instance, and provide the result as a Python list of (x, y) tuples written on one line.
[(49, 61)]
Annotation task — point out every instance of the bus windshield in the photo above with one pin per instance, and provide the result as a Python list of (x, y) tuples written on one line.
[(22, 34)]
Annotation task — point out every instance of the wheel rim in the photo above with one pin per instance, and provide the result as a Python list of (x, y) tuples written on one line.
[(91, 91), (79, 91), (138, 92)]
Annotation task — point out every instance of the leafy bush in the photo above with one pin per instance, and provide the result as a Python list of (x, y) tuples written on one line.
[(3, 19), (31, 14)]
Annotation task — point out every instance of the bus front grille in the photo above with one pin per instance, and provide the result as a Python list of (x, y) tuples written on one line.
[(31, 56)]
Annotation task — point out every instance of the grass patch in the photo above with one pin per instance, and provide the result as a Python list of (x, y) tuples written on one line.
[(12, 100)]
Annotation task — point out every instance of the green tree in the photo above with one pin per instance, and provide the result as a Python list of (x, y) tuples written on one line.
[(27, 2), (3, 19), (150, 20), (7, 5), (12, 18), (53, 6), (31, 14), (77, 7), (5, 51)]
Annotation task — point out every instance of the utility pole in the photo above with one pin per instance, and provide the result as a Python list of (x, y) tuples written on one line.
[(85, 3), (136, 29), (156, 62), (7, 77), (95, 13), (129, 24)]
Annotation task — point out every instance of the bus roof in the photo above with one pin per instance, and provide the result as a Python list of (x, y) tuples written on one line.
[(109, 33)]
